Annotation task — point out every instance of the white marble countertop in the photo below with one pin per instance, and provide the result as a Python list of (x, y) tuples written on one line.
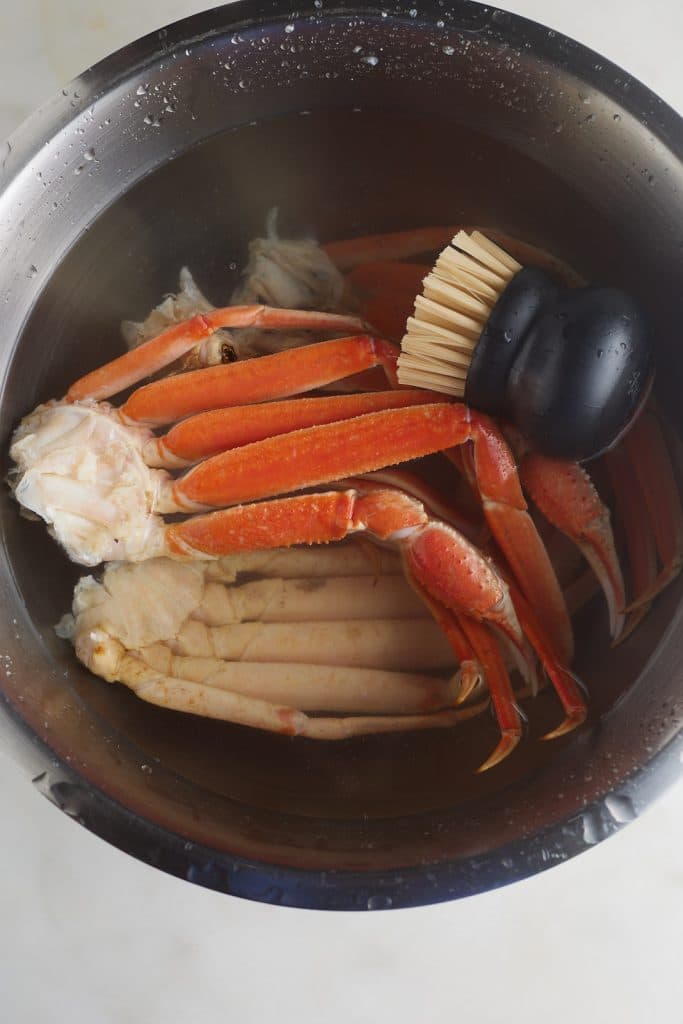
[(89, 935)]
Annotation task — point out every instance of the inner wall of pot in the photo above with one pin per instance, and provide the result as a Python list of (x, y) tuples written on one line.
[(486, 156)]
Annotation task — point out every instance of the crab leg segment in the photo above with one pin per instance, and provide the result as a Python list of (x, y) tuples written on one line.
[(173, 343), (471, 672), (438, 505), (565, 683), (647, 450), (502, 695), (565, 494), (258, 380), (219, 430)]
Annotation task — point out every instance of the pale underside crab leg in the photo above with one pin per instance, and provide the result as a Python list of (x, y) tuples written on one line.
[(310, 687), (110, 660), (413, 645)]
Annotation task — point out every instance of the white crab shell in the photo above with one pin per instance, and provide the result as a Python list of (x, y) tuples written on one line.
[(81, 470)]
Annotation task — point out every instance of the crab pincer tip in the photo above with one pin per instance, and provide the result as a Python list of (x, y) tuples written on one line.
[(470, 676), (508, 742), (573, 720)]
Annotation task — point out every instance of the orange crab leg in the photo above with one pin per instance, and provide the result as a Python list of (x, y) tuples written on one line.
[(500, 688), (565, 683), (647, 450), (318, 455), (565, 494), (471, 672), (155, 354), (219, 430), (517, 536), (258, 380), (396, 245)]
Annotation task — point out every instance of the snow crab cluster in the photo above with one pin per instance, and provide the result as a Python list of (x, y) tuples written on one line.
[(223, 436)]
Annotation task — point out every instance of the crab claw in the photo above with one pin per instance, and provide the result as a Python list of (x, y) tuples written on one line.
[(565, 494)]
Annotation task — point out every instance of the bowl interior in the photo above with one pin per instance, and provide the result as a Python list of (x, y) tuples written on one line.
[(366, 162)]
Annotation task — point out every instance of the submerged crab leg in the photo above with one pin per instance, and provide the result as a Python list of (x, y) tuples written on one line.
[(410, 644), (109, 660), (565, 494), (387, 292), (631, 511), (311, 687), (565, 683), (155, 354), (219, 430), (396, 245), (258, 380), (500, 688), (648, 453), (309, 600)]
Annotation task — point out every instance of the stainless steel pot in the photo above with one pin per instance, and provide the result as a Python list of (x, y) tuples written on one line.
[(350, 119)]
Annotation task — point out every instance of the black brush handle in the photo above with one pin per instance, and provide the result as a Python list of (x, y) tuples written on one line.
[(570, 367)]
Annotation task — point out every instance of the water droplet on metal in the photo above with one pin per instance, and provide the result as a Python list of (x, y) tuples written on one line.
[(448, 50), (371, 60), (146, 768), (32, 271), (616, 117), (141, 90), (89, 154), (289, 28), (412, 12), (379, 902)]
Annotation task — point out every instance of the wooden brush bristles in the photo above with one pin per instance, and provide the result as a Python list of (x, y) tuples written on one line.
[(458, 296)]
